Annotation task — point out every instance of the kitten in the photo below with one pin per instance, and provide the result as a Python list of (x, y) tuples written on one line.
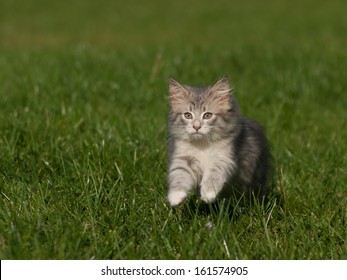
[(212, 148)]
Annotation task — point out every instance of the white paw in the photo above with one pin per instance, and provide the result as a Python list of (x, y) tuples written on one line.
[(176, 197), (209, 196)]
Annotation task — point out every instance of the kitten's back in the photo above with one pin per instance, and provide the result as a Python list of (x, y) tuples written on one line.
[(252, 153)]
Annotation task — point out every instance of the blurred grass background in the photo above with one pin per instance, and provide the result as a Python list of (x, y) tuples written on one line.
[(221, 24)]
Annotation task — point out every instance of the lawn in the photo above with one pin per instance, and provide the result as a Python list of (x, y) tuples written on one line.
[(83, 126)]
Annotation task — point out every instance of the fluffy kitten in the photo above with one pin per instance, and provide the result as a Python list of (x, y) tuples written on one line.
[(213, 149)]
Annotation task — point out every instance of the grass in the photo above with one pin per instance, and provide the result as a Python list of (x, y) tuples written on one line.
[(83, 128)]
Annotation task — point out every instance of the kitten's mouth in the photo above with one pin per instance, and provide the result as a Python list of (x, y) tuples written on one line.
[(197, 135)]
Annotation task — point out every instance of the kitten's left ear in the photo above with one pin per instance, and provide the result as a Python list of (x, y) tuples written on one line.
[(222, 88)]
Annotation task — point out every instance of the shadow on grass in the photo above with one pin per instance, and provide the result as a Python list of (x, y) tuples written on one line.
[(231, 208)]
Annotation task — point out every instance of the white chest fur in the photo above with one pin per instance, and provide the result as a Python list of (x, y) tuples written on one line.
[(208, 156)]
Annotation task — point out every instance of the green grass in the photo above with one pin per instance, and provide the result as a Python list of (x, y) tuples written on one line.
[(83, 127)]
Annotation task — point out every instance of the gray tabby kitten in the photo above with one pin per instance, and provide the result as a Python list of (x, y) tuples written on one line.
[(213, 149)]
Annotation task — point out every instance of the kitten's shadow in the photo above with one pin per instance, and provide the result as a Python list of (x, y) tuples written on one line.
[(196, 208), (231, 207)]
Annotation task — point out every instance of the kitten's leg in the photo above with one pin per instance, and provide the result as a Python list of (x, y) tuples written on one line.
[(181, 182), (221, 168), (211, 185)]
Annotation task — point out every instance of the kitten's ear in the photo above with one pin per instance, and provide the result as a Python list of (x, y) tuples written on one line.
[(220, 94), (222, 88), (176, 90)]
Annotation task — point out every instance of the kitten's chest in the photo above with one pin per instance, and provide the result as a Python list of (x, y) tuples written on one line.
[(207, 156)]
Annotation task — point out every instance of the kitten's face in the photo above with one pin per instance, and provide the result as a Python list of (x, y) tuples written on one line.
[(205, 113)]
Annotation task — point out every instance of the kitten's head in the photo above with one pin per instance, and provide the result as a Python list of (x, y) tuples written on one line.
[(202, 113)]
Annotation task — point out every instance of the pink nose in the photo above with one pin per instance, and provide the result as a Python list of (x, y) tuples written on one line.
[(196, 127)]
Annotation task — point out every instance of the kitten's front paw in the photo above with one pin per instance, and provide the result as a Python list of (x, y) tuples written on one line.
[(176, 197), (209, 196)]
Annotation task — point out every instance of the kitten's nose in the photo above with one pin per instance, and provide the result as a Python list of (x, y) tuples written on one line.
[(196, 126)]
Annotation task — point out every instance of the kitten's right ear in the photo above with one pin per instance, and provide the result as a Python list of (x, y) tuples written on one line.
[(176, 90)]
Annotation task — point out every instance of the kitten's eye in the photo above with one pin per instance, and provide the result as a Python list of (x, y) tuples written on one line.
[(188, 116), (207, 116)]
